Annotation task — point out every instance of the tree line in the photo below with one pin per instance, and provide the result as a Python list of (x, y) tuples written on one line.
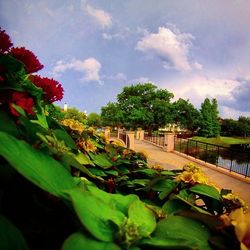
[(150, 108)]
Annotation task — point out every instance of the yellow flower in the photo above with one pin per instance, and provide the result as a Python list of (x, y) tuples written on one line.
[(191, 167), (241, 223), (73, 124), (157, 167), (200, 178), (86, 145), (236, 200), (186, 177)]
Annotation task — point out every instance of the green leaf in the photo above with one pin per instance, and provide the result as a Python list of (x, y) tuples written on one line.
[(174, 206), (97, 171), (148, 172), (84, 159), (206, 190), (118, 201), (41, 117), (10, 237), (8, 125), (181, 232), (164, 185), (143, 217), (111, 172), (101, 160), (98, 217), (62, 135), (37, 167), (78, 241)]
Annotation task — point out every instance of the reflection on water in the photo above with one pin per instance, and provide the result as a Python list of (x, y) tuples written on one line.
[(233, 160)]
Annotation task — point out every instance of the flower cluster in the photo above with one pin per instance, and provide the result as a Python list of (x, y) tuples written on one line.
[(5, 42), (52, 89), (86, 145), (241, 223), (23, 100), (192, 174), (30, 61), (158, 167), (232, 201), (73, 125)]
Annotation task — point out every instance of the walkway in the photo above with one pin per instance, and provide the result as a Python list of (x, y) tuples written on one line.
[(173, 161)]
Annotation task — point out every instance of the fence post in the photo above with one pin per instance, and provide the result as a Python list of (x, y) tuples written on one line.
[(168, 142), (130, 136)]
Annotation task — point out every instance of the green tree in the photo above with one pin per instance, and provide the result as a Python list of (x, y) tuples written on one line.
[(112, 115), (244, 125), (143, 105), (229, 127), (94, 120), (209, 124), (74, 113), (186, 115)]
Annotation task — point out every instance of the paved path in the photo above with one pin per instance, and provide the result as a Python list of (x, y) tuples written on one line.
[(156, 155)]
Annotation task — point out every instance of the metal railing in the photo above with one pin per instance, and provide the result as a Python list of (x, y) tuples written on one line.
[(157, 139), (233, 160)]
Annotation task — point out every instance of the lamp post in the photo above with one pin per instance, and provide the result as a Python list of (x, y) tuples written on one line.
[(65, 107)]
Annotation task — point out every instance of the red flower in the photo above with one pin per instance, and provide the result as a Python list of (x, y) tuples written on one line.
[(52, 89), (27, 57), (5, 42), (22, 100)]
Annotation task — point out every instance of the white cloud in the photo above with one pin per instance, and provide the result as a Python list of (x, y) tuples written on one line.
[(141, 79), (121, 35), (171, 46), (89, 67), (101, 17)]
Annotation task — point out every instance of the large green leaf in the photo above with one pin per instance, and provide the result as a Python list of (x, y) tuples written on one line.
[(83, 159), (10, 237), (39, 168), (62, 135), (143, 217), (181, 232), (206, 190), (101, 160), (7, 124), (98, 217), (117, 201), (78, 241)]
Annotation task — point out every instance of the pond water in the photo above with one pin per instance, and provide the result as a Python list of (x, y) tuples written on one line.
[(232, 159)]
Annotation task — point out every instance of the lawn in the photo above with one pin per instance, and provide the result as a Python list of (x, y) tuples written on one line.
[(223, 141)]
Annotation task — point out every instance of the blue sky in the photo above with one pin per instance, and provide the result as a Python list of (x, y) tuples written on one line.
[(193, 48)]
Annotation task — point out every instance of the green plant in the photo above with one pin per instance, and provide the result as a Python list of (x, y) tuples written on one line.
[(63, 186)]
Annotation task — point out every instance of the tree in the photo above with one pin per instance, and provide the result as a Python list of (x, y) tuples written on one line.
[(244, 125), (112, 115), (74, 113), (94, 119), (186, 115), (230, 127), (209, 124), (145, 106)]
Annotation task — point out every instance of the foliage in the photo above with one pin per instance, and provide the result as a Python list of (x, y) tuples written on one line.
[(94, 119), (63, 187), (222, 140), (112, 115), (74, 113), (186, 115), (209, 123), (141, 105)]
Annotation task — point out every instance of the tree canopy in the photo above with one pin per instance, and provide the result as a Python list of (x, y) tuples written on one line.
[(209, 123), (140, 105)]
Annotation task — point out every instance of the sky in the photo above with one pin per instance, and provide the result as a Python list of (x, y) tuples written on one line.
[(194, 49)]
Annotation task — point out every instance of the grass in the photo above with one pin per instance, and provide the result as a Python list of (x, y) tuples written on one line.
[(223, 141)]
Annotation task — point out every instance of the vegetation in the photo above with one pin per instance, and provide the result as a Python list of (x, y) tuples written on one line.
[(222, 140), (209, 123), (64, 187), (94, 119), (240, 127)]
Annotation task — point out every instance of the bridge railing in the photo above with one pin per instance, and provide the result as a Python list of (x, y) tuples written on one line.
[(157, 139), (233, 160)]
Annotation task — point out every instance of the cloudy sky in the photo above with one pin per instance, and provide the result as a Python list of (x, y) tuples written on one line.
[(193, 48)]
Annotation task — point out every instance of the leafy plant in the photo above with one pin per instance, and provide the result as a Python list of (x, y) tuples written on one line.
[(64, 187)]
